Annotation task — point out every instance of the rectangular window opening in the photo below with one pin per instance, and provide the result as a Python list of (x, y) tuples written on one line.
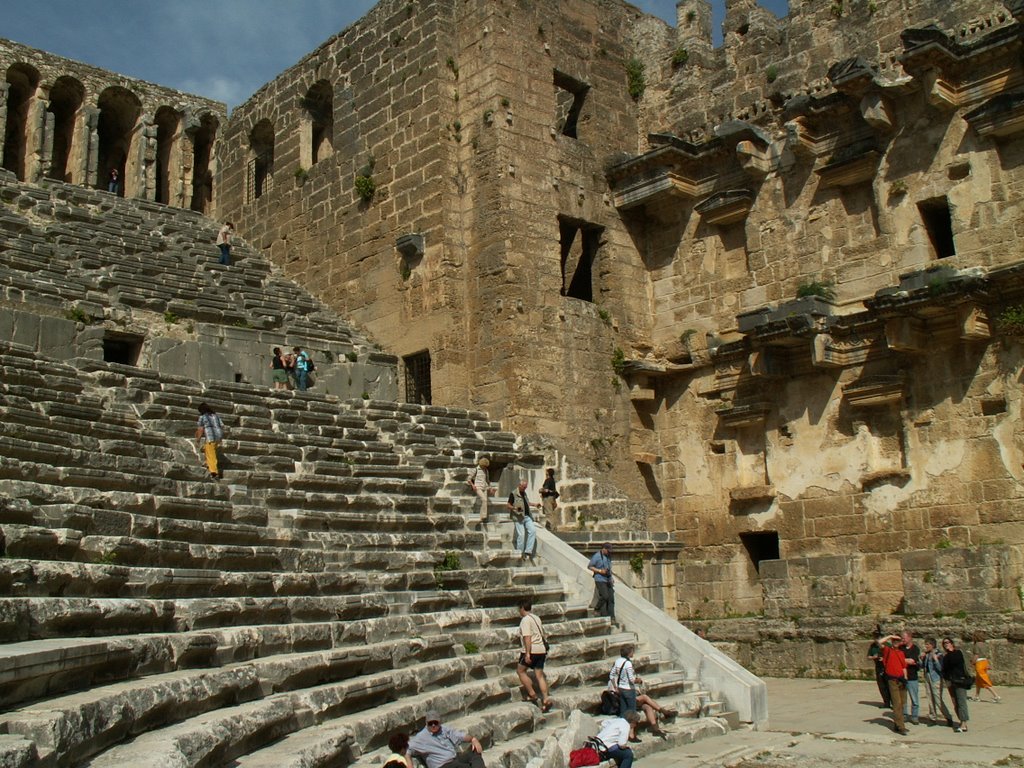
[(570, 94), (938, 222), (417, 378), (260, 177), (761, 545), (122, 348), (580, 242)]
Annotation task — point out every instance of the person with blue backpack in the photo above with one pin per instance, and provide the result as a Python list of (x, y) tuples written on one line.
[(303, 366)]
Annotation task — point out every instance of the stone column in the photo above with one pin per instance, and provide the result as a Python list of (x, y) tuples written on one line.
[(35, 134), (5, 88), (90, 146), (49, 121)]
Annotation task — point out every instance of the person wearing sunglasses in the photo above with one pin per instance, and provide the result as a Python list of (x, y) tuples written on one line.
[(440, 746)]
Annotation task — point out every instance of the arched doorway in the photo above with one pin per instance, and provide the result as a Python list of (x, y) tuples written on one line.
[(119, 115), (319, 122), (22, 82), (167, 151), (65, 100), (261, 159), (202, 154)]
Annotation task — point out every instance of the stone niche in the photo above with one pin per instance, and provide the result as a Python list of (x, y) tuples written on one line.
[(985, 579)]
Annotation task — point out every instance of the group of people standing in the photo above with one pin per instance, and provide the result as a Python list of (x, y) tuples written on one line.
[(521, 510), (900, 667), (291, 371)]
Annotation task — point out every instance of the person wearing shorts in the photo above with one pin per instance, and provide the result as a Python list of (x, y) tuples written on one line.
[(535, 653)]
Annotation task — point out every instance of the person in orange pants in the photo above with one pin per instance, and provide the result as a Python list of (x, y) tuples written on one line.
[(209, 433)]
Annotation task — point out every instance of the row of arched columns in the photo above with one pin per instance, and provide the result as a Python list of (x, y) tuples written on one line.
[(51, 130)]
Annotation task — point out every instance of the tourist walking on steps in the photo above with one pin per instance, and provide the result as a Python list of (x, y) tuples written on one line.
[(912, 653), (399, 757), (614, 734), (955, 680), (535, 653), (549, 496), (604, 583), (209, 433), (439, 746), (301, 363), (525, 535), (623, 680), (224, 242), (931, 672), (280, 373), (113, 181), (479, 481), (875, 654), (895, 664)]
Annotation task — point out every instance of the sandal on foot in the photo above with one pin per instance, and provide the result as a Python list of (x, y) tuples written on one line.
[(546, 706)]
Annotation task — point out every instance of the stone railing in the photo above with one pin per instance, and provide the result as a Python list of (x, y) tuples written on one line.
[(745, 693)]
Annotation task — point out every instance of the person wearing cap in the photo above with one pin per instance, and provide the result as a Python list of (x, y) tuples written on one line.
[(604, 583), (438, 746), (481, 485)]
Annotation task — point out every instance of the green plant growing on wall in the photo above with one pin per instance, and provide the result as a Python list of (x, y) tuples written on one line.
[(837, 9), (771, 74), (618, 361), (77, 315), (351, 356), (1010, 322), (365, 186), (471, 647), (450, 63), (680, 57), (170, 318), (872, 8), (943, 543), (406, 272), (820, 288), (605, 316), (301, 174), (690, 16), (635, 78), (636, 564), (898, 187)]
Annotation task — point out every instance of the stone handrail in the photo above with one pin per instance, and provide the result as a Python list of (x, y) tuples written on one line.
[(743, 692)]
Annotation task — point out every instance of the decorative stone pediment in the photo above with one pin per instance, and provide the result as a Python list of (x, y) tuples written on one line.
[(852, 75), (999, 117), (726, 207), (874, 391), (828, 351)]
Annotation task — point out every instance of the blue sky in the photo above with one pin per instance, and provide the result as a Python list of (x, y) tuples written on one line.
[(222, 49)]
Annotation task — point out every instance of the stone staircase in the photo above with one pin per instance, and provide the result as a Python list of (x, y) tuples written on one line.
[(293, 613), (331, 588)]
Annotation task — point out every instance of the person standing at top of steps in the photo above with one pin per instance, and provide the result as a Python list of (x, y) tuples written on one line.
[(604, 583), (549, 496), (224, 242), (209, 433), (438, 746), (302, 368), (525, 531), (479, 481), (614, 735), (535, 652)]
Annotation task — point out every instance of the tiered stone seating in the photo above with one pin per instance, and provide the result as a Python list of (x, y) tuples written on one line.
[(292, 614)]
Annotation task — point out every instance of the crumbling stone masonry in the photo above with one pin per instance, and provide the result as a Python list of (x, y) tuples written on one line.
[(64, 120)]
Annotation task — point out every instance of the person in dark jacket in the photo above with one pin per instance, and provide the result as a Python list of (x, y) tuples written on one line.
[(954, 678)]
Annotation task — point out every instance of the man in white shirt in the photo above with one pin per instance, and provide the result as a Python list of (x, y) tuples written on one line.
[(224, 242), (615, 737), (535, 652)]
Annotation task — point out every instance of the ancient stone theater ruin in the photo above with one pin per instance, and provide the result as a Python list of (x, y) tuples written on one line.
[(760, 305)]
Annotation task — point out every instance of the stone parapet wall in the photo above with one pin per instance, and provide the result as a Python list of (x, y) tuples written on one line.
[(832, 647)]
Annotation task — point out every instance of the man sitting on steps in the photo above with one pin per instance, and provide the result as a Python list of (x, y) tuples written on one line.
[(438, 746)]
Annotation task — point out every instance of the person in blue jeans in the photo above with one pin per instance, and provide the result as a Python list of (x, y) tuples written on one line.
[(604, 583), (614, 735), (525, 531), (301, 369), (913, 654)]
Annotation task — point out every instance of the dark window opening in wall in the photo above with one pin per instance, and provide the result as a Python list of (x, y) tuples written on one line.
[(261, 160), (319, 105), (22, 81), (938, 222), (202, 150), (122, 348), (761, 545), (570, 94), (417, 378), (65, 100), (119, 116), (580, 243), (166, 140)]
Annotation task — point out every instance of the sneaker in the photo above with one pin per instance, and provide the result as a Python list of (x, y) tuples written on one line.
[(904, 732), (914, 721), (961, 729)]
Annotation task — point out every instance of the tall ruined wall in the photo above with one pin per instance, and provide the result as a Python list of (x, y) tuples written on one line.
[(65, 120), (894, 178), (463, 108)]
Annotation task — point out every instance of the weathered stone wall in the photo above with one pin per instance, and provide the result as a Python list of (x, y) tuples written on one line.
[(836, 646), (70, 121)]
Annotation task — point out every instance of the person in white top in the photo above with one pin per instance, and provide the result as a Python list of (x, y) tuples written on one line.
[(535, 653), (224, 243), (481, 485), (623, 679), (614, 735)]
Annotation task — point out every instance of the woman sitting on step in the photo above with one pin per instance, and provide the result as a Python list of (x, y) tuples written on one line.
[(624, 680)]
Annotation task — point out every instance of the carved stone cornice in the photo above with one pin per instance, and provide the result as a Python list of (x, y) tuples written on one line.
[(828, 351), (854, 166), (748, 414), (874, 391), (726, 207), (999, 117), (674, 168)]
